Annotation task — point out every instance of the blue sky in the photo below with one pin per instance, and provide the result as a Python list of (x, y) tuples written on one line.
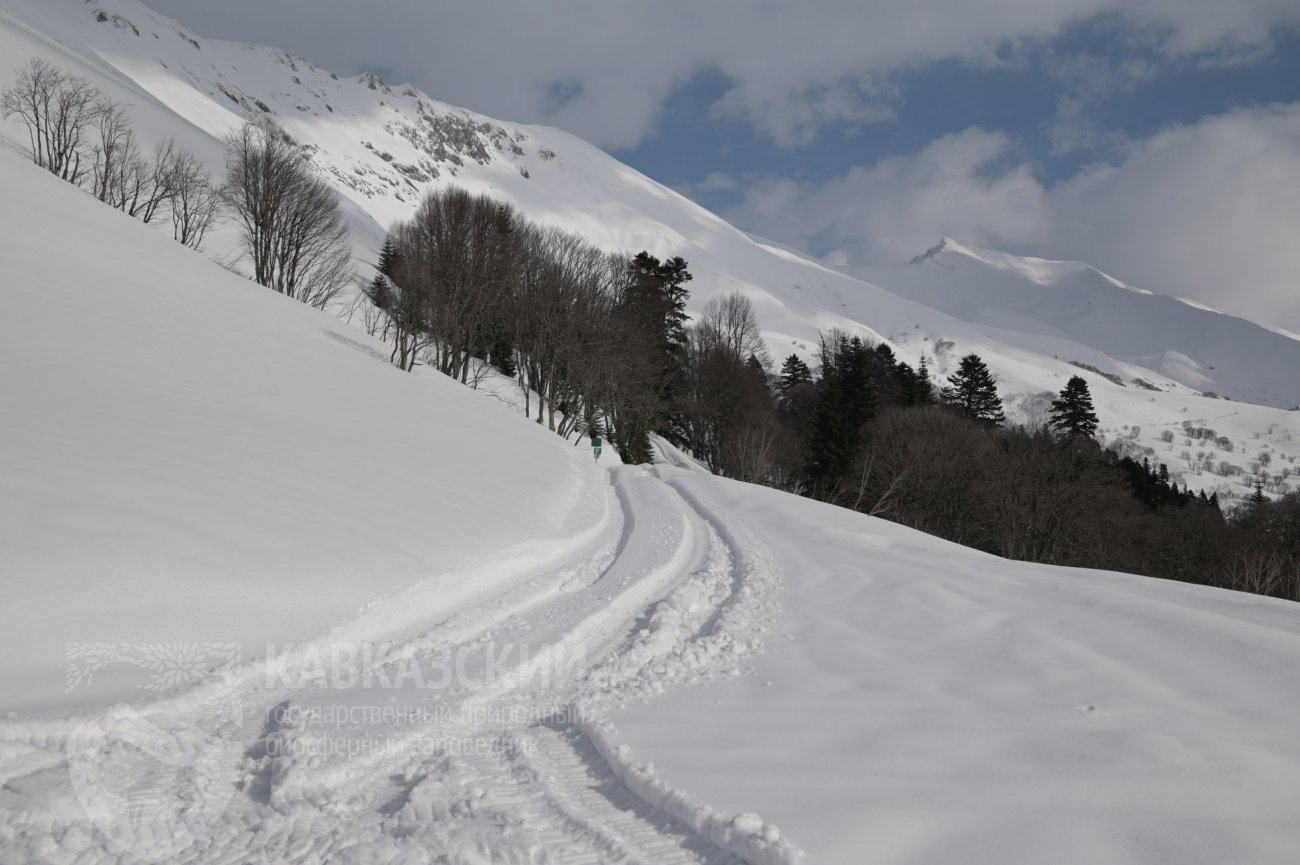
[(1156, 139), (1020, 97)]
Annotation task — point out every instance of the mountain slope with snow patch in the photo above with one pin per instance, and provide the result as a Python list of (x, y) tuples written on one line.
[(1190, 344), (383, 145)]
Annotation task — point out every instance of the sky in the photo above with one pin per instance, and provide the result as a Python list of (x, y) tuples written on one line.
[(1158, 140)]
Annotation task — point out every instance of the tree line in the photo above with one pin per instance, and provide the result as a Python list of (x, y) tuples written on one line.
[(881, 438), (83, 137), (600, 343), (289, 219)]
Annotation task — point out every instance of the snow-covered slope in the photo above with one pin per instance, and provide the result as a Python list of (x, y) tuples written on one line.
[(186, 455), (214, 468), (1185, 342), (384, 144), (192, 466), (960, 708)]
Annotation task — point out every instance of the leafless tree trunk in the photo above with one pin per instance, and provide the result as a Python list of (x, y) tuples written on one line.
[(194, 202), (730, 321), (58, 110), (115, 148), (289, 219)]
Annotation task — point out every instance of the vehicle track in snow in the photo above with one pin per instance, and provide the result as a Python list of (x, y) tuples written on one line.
[(671, 595)]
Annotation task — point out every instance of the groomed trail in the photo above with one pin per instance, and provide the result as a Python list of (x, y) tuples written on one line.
[(475, 739)]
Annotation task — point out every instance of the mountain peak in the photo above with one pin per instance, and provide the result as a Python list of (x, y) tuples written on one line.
[(932, 252), (945, 244)]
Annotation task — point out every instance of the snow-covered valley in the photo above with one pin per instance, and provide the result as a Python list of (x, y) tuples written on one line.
[(267, 598)]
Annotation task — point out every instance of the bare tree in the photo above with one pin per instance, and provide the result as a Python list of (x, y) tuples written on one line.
[(150, 182), (405, 300), (115, 148), (193, 202), (58, 110), (730, 321), (458, 254), (289, 218)]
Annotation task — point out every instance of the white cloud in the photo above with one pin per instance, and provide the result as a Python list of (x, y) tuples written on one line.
[(901, 205), (1207, 211), (795, 66)]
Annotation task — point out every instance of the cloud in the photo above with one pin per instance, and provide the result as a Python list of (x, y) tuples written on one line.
[(794, 68), (903, 203), (1206, 210)]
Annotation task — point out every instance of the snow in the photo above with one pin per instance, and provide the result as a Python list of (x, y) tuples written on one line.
[(1070, 300), (269, 599), (920, 702), (153, 403)]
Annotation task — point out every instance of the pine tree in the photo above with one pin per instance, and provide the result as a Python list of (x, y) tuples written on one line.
[(380, 289), (922, 384), (380, 292), (972, 389), (1258, 499), (388, 256), (756, 367), (794, 372), (1072, 412), (845, 401), (656, 299)]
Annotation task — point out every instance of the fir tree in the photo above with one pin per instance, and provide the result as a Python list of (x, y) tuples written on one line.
[(1072, 412), (656, 298), (972, 390), (1257, 498), (380, 292), (388, 257), (845, 401), (922, 384), (794, 372), (756, 367)]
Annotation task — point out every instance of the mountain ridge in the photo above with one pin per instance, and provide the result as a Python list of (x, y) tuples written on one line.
[(382, 145)]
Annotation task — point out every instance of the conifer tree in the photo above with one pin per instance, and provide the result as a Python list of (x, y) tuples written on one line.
[(922, 385), (656, 299), (845, 402), (388, 256), (794, 372), (380, 289), (1072, 411), (972, 390)]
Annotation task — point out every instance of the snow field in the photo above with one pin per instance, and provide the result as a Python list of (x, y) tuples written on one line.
[(919, 702)]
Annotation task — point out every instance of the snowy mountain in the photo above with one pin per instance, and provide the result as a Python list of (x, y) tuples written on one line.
[(1180, 340), (242, 552), (1034, 322), (266, 599)]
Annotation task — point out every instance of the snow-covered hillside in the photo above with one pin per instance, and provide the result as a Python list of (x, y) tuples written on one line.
[(188, 454), (383, 144), (1182, 341), (460, 603)]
